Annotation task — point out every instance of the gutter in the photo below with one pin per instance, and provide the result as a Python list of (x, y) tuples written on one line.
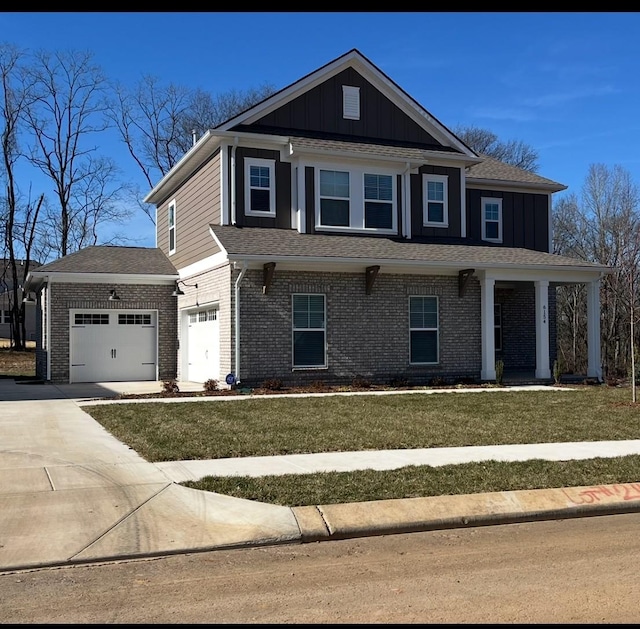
[(236, 298)]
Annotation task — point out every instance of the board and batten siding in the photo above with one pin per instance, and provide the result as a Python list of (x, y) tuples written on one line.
[(320, 111), (525, 218), (197, 206)]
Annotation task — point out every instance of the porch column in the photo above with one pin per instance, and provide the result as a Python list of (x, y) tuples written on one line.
[(542, 329), (487, 323), (594, 367)]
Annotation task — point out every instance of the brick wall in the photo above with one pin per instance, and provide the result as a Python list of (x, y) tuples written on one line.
[(214, 287), (367, 335), (95, 296)]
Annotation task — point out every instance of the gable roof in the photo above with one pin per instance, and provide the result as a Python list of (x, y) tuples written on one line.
[(262, 244), (110, 259), (356, 60)]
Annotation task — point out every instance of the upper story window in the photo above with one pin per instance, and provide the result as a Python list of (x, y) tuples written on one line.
[(172, 227), (356, 199), (350, 102), (260, 187), (491, 219), (436, 200)]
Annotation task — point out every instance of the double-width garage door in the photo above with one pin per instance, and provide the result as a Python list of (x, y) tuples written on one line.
[(113, 345)]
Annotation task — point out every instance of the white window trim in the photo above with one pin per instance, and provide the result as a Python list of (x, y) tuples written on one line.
[(350, 102), (444, 179), (491, 200), (172, 206), (356, 198), (295, 367), (436, 329), (271, 165)]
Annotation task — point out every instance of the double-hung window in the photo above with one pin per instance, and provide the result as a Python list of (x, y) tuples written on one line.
[(172, 227), (356, 199), (378, 201), (335, 198), (436, 200), (260, 189), (423, 330), (491, 219), (309, 331)]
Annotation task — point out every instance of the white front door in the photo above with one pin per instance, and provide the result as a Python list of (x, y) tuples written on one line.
[(112, 345), (203, 345)]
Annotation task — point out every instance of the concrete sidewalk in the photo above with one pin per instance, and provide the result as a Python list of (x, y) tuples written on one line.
[(72, 493)]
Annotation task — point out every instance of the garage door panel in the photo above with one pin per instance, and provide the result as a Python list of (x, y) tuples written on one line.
[(113, 345), (203, 345)]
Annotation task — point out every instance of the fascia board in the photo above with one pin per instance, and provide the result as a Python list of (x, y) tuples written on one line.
[(103, 278), (520, 186), (504, 268)]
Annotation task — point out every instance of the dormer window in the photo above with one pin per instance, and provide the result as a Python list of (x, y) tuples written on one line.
[(260, 188), (350, 102)]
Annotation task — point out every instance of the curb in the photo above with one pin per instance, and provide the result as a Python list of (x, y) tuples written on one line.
[(388, 517)]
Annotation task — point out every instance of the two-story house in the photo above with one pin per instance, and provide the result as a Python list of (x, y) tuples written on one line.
[(334, 230)]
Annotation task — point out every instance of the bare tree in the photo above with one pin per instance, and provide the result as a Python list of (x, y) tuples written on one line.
[(485, 142), (602, 226), (68, 94), (158, 122), (19, 220)]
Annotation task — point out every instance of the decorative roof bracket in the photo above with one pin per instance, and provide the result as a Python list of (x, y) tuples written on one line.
[(371, 274), (267, 276), (463, 279)]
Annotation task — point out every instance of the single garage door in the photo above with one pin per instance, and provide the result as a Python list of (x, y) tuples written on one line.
[(203, 345), (113, 345)]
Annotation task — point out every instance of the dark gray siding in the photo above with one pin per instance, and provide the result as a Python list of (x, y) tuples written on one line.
[(283, 190), (525, 218), (417, 204), (320, 111)]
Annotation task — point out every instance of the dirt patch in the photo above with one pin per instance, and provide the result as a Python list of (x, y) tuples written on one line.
[(17, 364)]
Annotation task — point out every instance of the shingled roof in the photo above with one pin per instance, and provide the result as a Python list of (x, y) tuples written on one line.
[(494, 170), (241, 242), (114, 260)]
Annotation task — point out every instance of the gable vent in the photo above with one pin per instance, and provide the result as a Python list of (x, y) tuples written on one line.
[(350, 102)]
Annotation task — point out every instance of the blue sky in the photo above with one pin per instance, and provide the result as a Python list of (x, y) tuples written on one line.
[(565, 83)]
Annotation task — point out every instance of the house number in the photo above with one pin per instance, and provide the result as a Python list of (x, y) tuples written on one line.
[(544, 314)]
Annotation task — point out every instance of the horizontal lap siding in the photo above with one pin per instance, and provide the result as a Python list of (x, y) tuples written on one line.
[(197, 206)]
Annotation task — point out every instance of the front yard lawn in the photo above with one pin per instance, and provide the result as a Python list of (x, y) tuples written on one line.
[(259, 427)]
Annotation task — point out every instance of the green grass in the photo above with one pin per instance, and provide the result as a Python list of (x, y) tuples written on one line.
[(260, 427)]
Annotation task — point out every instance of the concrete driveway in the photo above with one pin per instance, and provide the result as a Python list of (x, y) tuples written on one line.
[(70, 493)]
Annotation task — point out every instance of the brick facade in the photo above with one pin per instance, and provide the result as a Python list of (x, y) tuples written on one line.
[(367, 335), (64, 297)]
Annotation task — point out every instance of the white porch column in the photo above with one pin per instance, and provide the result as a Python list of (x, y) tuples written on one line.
[(594, 367), (542, 329), (487, 324)]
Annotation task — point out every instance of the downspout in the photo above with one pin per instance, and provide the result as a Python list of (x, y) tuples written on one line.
[(236, 297), (406, 202), (233, 180)]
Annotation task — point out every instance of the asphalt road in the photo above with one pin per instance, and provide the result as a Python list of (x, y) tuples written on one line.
[(567, 571)]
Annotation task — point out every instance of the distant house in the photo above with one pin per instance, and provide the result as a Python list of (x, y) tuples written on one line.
[(7, 299), (334, 230)]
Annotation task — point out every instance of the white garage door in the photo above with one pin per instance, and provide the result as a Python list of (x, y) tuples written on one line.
[(203, 345), (113, 345)]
